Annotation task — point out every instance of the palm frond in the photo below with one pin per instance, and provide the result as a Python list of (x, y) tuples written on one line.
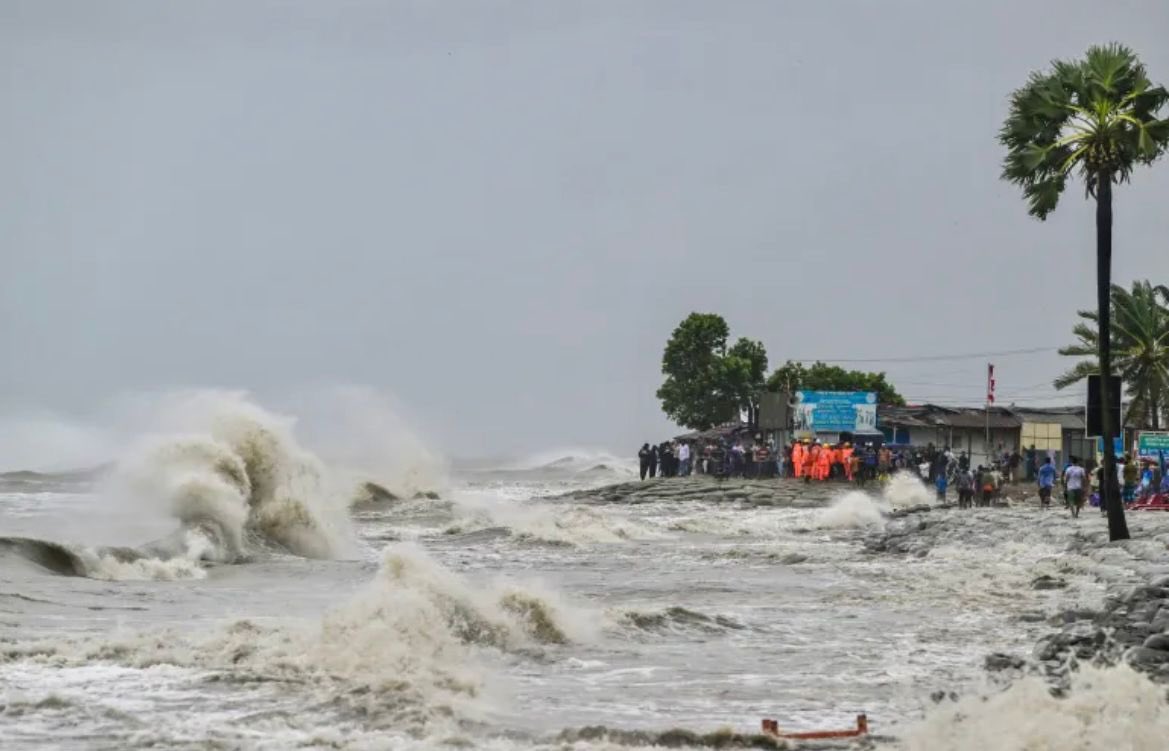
[(1079, 372), (1098, 116)]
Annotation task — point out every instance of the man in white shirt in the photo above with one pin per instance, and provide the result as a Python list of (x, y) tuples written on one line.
[(1073, 480), (684, 460)]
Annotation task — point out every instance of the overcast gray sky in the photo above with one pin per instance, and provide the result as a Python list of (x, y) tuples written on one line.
[(497, 211)]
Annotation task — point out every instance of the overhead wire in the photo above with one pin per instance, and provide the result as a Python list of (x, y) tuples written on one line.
[(929, 358)]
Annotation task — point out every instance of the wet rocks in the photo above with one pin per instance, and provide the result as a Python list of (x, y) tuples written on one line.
[(738, 492), (1048, 582), (906, 536), (1084, 640), (1144, 657), (998, 662)]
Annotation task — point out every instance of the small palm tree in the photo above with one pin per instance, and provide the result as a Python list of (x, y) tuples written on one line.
[(1098, 117), (1140, 349)]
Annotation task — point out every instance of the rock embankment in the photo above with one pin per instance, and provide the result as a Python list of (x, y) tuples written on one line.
[(769, 492), (1132, 623)]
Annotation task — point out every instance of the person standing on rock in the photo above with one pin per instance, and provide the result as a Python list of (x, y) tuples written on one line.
[(965, 488), (1046, 483), (684, 459), (869, 471), (643, 460), (1130, 474), (824, 463), (653, 462), (1073, 480), (986, 485)]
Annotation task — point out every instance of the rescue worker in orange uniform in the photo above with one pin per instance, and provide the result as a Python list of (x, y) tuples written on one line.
[(824, 463), (846, 460), (811, 461), (798, 459)]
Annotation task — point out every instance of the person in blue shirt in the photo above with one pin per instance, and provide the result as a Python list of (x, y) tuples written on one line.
[(940, 484), (1046, 482)]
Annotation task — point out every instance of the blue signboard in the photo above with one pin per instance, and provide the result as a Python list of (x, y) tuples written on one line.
[(835, 411), (1117, 445)]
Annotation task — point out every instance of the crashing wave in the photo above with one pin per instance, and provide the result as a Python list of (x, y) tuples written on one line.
[(400, 650), (239, 487)]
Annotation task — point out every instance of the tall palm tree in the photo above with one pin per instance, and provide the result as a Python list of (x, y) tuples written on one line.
[(1099, 117), (1140, 349)]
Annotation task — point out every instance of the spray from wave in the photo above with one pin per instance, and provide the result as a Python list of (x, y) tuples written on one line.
[(242, 483), (1105, 709), (235, 478), (853, 510), (904, 490), (857, 509)]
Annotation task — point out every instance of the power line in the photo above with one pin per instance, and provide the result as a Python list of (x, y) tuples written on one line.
[(930, 358)]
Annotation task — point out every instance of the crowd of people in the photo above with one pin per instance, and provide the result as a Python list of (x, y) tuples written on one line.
[(1139, 480), (808, 460), (722, 457)]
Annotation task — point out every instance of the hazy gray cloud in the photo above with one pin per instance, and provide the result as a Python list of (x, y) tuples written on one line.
[(497, 212)]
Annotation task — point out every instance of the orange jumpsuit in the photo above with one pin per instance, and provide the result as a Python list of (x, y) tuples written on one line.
[(846, 459), (823, 464), (798, 459), (811, 460)]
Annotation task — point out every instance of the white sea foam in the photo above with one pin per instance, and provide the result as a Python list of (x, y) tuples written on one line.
[(1106, 710)]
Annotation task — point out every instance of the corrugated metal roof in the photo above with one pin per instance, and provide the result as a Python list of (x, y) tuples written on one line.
[(935, 416), (1069, 418)]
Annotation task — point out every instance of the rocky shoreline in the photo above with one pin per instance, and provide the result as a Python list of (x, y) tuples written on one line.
[(1130, 625), (766, 492)]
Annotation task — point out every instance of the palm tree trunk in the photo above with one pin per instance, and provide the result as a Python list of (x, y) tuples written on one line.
[(1109, 492)]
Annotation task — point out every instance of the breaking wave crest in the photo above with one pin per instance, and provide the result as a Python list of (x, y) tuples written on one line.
[(236, 481), (244, 484), (108, 563)]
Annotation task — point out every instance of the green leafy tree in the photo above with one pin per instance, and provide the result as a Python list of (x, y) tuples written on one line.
[(1140, 349), (822, 377), (706, 384), (1098, 117), (745, 371)]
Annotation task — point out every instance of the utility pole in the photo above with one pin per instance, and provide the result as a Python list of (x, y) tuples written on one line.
[(989, 401)]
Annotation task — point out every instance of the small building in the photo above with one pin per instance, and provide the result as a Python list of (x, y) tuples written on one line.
[(960, 428), (1055, 431)]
